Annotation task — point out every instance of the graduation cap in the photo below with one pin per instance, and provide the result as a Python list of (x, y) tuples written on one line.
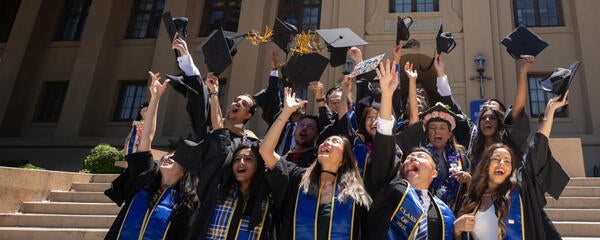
[(402, 33), (338, 41), (558, 82), (283, 34), (180, 85), (439, 112), (304, 68), (523, 42), (366, 69), (219, 48), (175, 25), (444, 42)]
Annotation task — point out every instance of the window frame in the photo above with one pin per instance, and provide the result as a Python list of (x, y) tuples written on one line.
[(414, 6), (153, 23), (49, 106), (300, 8), (537, 15), (67, 16), (228, 12), (135, 103), (533, 93)]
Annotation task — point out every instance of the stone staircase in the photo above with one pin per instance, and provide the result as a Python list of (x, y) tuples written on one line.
[(85, 213), (81, 213)]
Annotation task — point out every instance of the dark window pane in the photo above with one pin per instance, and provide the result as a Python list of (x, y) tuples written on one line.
[(51, 101), (398, 6), (305, 14), (538, 97), (73, 17), (220, 13), (145, 19), (131, 96), (538, 13), (8, 12)]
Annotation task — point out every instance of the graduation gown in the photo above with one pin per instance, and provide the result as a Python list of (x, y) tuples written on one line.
[(125, 187), (286, 176), (197, 105)]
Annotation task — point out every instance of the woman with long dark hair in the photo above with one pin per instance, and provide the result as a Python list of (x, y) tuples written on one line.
[(158, 198), (133, 137), (327, 200), (506, 199)]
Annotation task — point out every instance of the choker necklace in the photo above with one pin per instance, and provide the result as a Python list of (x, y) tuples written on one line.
[(330, 172)]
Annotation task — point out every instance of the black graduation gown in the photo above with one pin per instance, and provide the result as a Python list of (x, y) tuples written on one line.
[(305, 160), (197, 105), (540, 174), (286, 177), (125, 187)]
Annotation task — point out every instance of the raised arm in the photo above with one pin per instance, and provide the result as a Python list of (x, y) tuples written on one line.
[(521, 95), (412, 93), (346, 92), (267, 147), (216, 117), (553, 104), (157, 89)]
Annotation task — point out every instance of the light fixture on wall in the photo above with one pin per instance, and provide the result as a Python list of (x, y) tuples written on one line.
[(480, 67)]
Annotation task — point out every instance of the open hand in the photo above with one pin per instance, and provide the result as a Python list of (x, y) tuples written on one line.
[(156, 88), (317, 88), (180, 45), (355, 54), (412, 74), (388, 78), (290, 103)]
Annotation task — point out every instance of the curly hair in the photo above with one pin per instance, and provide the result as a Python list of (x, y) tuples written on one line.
[(479, 185), (348, 177)]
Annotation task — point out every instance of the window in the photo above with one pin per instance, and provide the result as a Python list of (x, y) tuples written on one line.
[(304, 14), (145, 19), (399, 6), (131, 96), (51, 101), (220, 13), (73, 20), (538, 13), (538, 97), (8, 12)]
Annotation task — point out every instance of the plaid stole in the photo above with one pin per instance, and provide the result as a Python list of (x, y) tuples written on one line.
[(223, 214)]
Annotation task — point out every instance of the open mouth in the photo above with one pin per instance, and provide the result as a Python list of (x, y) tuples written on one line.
[(235, 109), (167, 162), (499, 172), (437, 138), (412, 168), (242, 170)]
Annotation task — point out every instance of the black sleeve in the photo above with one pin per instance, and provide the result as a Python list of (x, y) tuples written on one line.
[(338, 127), (326, 117), (381, 168), (517, 131), (123, 186), (542, 167), (454, 107), (284, 176), (198, 106), (412, 136), (269, 101)]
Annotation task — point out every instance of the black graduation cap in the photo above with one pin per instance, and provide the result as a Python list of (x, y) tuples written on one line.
[(558, 82), (523, 42), (174, 25), (283, 34), (219, 48), (439, 112), (304, 68), (444, 42), (338, 41), (402, 33), (180, 85)]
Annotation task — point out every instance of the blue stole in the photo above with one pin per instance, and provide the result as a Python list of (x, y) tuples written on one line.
[(361, 154), (409, 213), (141, 222), (515, 227), (341, 221)]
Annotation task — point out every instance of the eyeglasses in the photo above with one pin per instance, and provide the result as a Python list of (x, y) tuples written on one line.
[(307, 126), (501, 160)]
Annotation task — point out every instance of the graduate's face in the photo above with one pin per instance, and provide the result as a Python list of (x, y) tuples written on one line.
[(331, 153), (438, 134), (244, 166), (170, 168), (239, 111), (419, 169), (371, 121), (488, 123), (500, 167), (334, 101), (306, 132)]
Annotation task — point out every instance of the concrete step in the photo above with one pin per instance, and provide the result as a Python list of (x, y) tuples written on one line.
[(565, 214), (70, 208), (34, 233), (578, 229), (103, 178), (89, 187), (574, 202), (56, 220), (584, 181), (581, 191), (94, 197)]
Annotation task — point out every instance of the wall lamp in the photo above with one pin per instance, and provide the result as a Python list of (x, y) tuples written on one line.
[(480, 67)]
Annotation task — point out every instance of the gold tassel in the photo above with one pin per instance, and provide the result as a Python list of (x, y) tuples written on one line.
[(255, 37), (306, 43)]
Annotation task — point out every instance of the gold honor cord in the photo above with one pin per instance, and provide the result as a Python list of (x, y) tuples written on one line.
[(255, 37), (306, 43)]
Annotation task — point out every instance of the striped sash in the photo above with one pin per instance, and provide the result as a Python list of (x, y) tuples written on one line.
[(141, 222)]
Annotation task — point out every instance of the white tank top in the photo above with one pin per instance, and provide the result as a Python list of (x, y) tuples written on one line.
[(486, 225)]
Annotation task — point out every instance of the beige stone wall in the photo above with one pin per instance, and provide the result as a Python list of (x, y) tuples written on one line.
[(95, 65)]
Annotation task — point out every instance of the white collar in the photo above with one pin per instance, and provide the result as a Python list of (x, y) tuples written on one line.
[(239, 125)]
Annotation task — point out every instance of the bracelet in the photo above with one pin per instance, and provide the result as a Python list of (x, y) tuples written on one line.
[(320, 99)]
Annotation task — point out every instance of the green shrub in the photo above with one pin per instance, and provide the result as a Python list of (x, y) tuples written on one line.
[(102, 159), (20, 163)]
